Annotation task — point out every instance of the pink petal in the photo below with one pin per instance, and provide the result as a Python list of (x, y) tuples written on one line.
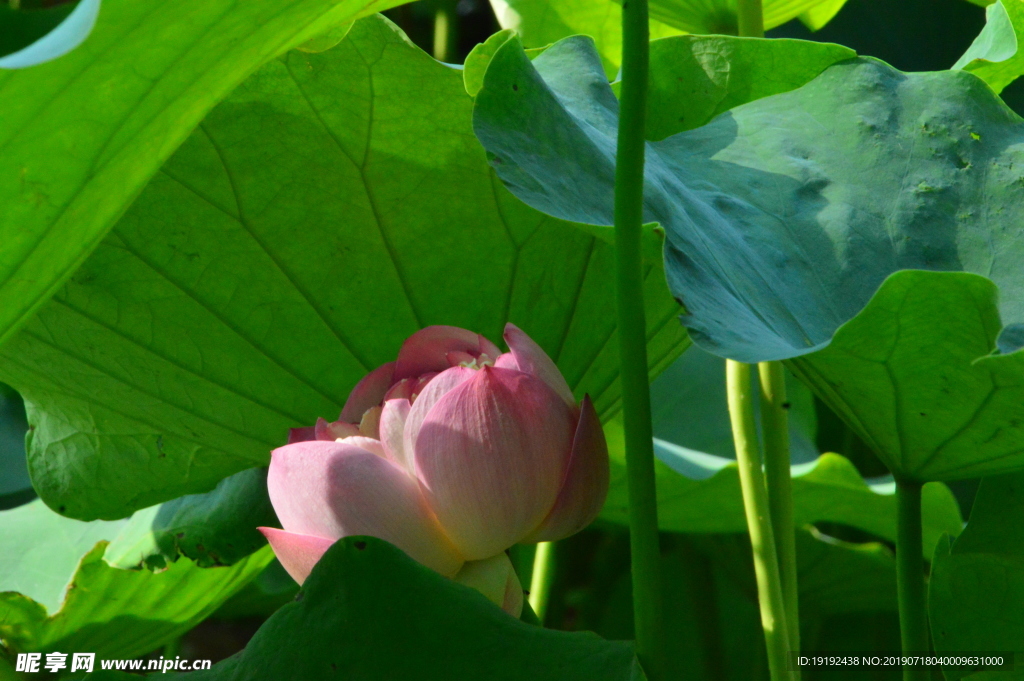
[(298, 553), (368, 443), (335, 489), (507, 361), (586, 481), (368, 392), (402, 390), (496, 579), (392, 432), (409, 388), (419, 385), (533, 360), (491, 454), (301, 434), (333, 431), (435, 390), (427, 349)]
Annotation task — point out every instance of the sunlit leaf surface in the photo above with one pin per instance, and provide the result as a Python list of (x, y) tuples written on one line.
[(328, 208), (82, 134), (58, 593)]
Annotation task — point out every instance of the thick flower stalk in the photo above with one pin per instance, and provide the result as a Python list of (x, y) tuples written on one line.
[(454, 452)]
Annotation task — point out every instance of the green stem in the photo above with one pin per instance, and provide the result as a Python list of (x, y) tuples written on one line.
[(910, 577), (632, 331), (750, 18), (755, 504), (779, 491), (446, 25), (541, 580), (775, 426)]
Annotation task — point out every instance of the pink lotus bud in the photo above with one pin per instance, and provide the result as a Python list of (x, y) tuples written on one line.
[(423, 355), (477, 451), (428, 351)]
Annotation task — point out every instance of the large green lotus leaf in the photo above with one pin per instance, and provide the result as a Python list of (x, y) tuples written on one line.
[(58, 593), (124, 613), (994, 56), (39, 551), (918, 376), (542, 22), (838, 577), (977, 583), (700, 492), (215, 528), (695, 78), (698, 485), (381, 615), (783, 215), (331, 206), (262, 596), (80, 136)]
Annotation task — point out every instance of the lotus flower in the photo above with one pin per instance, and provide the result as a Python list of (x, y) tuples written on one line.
[(426, 353), (460, 452)]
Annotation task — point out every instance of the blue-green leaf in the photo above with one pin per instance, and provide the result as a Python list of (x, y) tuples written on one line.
[(66, 36)]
